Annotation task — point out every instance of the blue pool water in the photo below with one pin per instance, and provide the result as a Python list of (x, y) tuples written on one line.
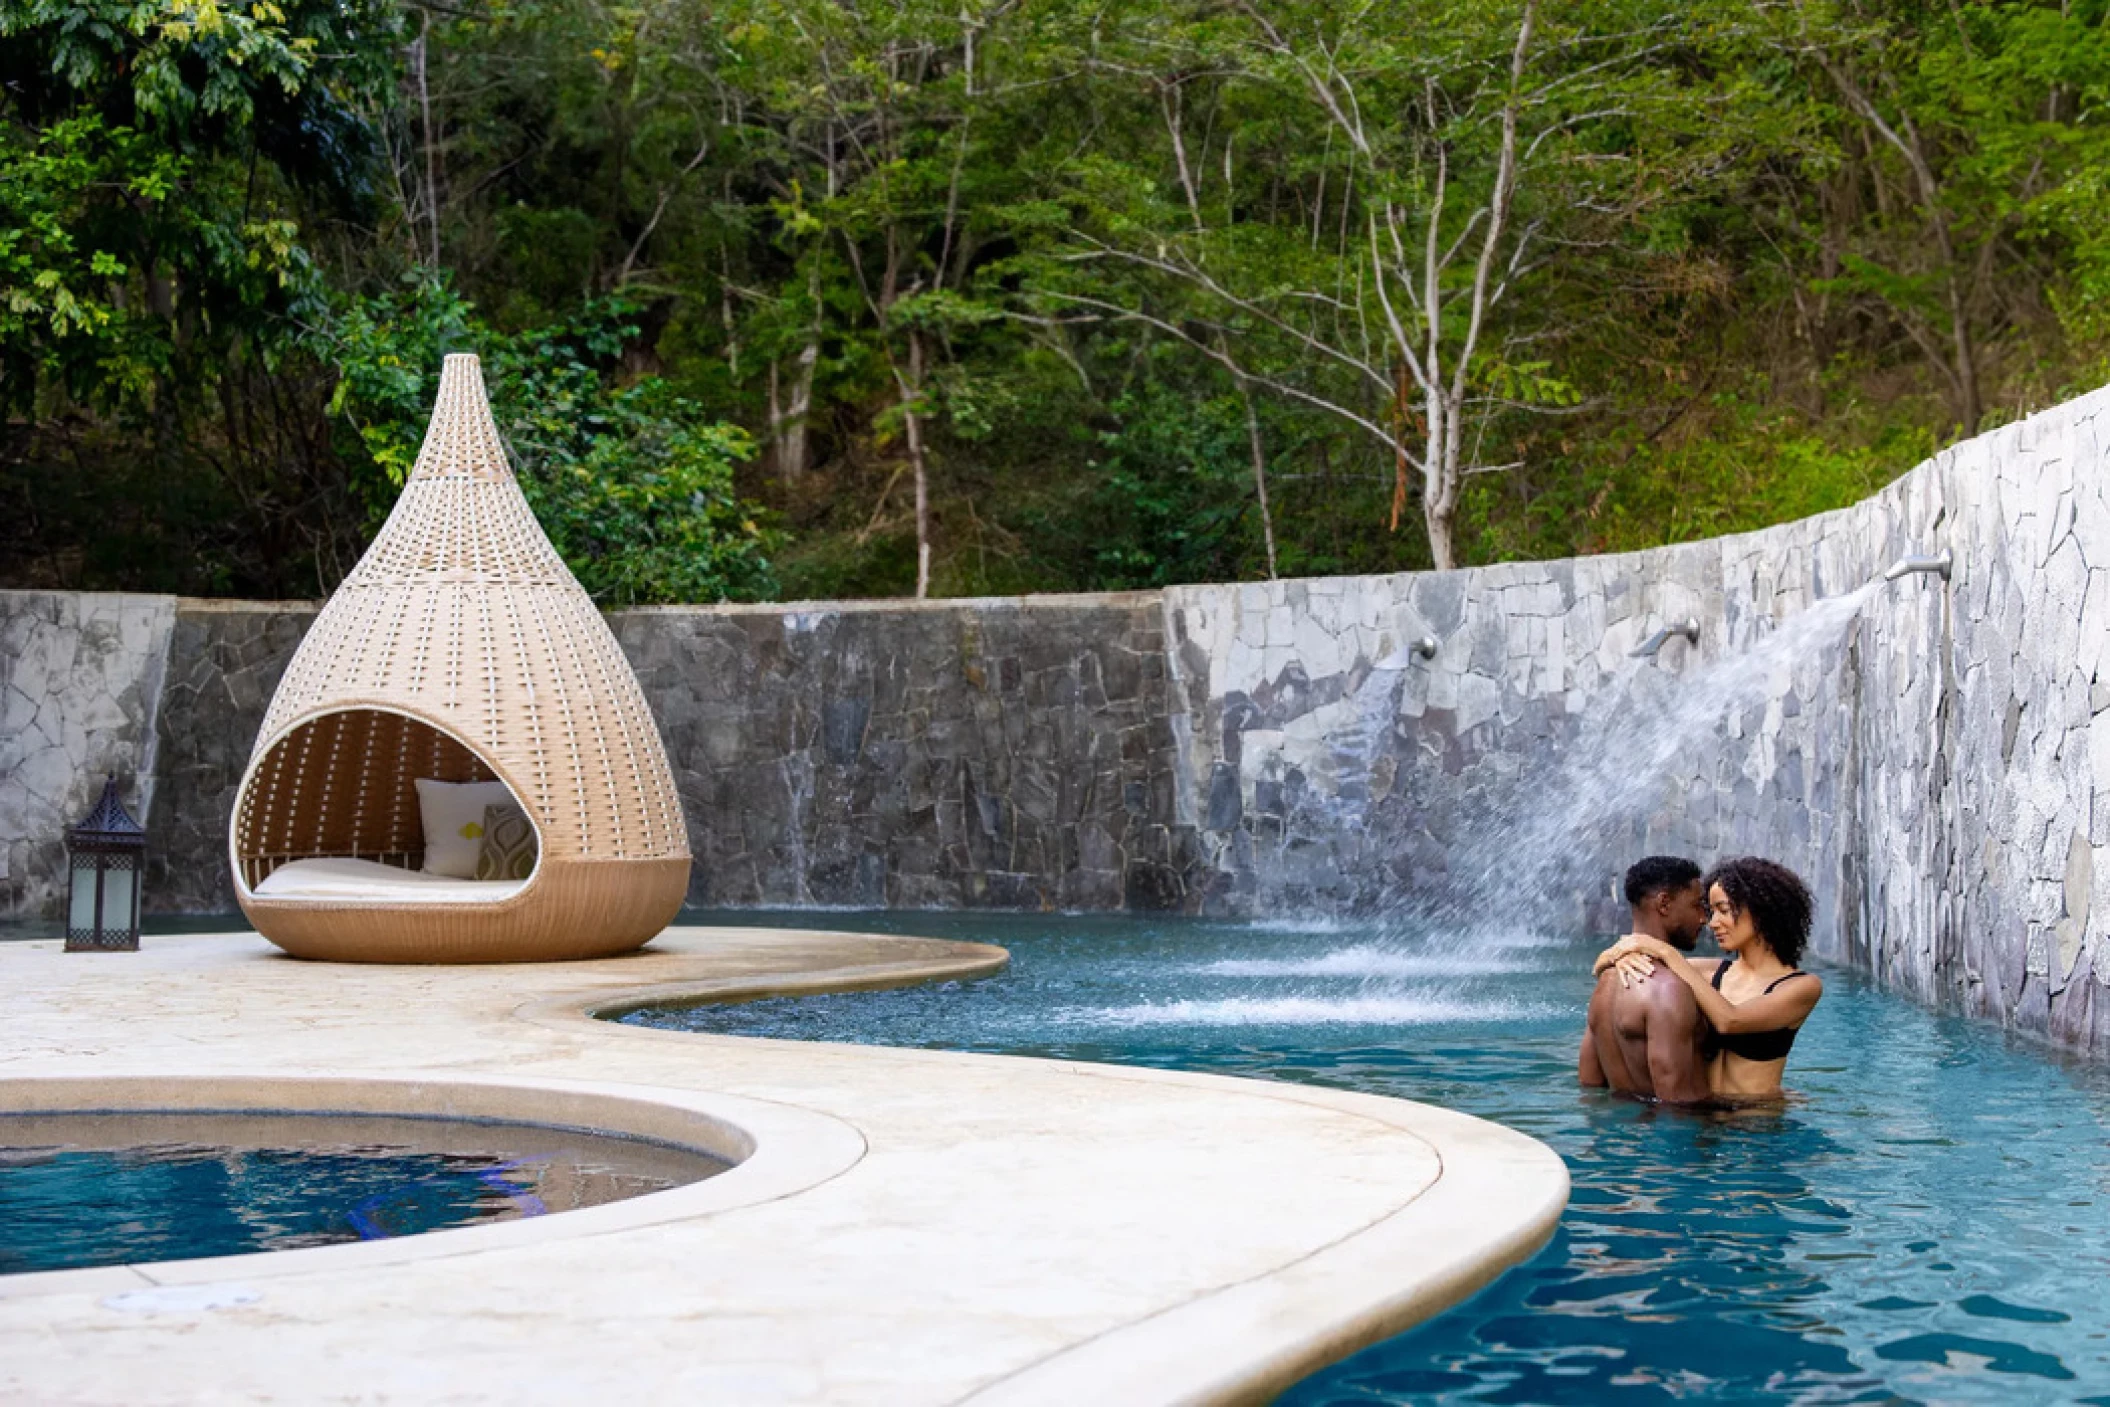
[(1928, 1219), (84, 1190)]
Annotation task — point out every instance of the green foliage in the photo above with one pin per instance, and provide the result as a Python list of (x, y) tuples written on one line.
[(148, 154), (721, 257), (649, 511), (633, 484), (1171, 491), (52, 277), (163, 165), (1739, 463)]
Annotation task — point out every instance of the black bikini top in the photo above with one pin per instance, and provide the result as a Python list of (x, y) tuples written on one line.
[(1758, 1045)]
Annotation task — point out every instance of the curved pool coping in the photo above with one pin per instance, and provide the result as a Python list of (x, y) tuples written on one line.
[(1250, 1341), (775, 1150), (1462, 1201), (965, 962)]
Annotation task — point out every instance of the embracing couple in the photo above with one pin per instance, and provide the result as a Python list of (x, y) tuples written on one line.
[(1666, 1026)]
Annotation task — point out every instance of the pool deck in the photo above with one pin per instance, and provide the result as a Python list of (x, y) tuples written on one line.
[(912, 1227)]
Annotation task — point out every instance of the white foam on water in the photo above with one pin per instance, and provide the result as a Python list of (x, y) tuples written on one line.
[(1320, 925), (1392, 1010), (1490, 936), (1366, 962)]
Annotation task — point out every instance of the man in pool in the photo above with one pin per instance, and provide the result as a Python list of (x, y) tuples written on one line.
[(1645, 1036)]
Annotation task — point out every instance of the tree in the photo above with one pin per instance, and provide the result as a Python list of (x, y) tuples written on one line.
[(880, 131), (632, 483), (1959, 138), (1395, 178), (1017, 296), (160, 166)]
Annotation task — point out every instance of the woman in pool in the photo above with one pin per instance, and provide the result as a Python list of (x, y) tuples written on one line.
[(1755, 999)]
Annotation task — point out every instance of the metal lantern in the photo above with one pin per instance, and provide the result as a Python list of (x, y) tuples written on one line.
[(107, 853)]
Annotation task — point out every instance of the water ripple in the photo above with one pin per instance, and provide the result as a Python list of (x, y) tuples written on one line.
[(1927, 1219)]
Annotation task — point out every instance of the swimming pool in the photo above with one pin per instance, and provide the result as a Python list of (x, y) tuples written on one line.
[(1927, 1220), (94, 1189)]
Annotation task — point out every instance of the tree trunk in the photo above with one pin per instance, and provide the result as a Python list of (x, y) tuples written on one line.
[(1439, 485), (1441, 547), (1971, 407), (911, 388), (1259, 452), (1904, 137), (432, 179), (787, 418)]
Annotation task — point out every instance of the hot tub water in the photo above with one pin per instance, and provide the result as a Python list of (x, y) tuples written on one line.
[(95, 1189)]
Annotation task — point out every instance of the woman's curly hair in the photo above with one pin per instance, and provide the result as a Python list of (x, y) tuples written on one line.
[(1776, 898)]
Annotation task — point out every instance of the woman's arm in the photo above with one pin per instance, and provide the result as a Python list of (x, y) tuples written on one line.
[(1634, 963), (1785, 1005), (1631, 965), (1626, 947)]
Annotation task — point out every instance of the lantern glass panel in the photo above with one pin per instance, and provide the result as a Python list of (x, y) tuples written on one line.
[(117, 897), (80, 912)]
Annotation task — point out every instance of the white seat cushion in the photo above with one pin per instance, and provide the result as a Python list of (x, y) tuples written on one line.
[(338, 878)]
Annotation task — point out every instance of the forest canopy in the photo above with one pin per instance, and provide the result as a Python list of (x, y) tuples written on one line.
[(793, 298)]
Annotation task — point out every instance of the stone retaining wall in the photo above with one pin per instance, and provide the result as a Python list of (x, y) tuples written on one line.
[(80, 682), (1938, 764), (1008, 754)]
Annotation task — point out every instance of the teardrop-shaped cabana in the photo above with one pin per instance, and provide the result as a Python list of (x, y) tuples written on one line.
[(460, 649)]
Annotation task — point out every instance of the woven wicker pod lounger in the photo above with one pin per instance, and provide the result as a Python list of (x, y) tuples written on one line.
[(460, 649)]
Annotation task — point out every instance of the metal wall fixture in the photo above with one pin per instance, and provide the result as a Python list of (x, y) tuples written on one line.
[(1421, 647), (1941, 563), (1688, 627)]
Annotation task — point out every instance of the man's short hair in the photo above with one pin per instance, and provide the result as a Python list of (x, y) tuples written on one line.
[(1658, 874)]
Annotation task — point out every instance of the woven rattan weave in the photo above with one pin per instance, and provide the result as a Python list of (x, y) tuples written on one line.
[(461, 648)]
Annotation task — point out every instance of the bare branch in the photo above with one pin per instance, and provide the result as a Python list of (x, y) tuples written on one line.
[(666, 194), (1222, 358), (1201, 278), (1424, 376)]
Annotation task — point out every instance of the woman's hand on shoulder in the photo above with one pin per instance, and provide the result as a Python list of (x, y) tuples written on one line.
[(1611, 955), (1649, 947), (1635, 968), (1631, 956)]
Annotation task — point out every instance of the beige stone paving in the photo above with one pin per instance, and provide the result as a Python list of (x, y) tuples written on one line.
[(931, 1227)]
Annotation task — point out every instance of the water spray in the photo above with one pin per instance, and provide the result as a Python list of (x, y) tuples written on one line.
[(1517, 860)]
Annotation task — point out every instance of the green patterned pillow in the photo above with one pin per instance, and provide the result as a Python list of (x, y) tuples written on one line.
[(507, 850)]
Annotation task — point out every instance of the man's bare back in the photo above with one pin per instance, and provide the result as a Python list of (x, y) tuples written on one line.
[(1646, 1037)]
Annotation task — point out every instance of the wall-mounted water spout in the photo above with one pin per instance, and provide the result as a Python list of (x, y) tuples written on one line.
[(1688, 627), (1421, 647), (1940, 564)]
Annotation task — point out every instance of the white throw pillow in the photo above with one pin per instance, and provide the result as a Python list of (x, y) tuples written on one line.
[(453, 813)]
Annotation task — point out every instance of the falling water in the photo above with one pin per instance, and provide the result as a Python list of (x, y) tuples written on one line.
[(1521, 862), (1463, 949)]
